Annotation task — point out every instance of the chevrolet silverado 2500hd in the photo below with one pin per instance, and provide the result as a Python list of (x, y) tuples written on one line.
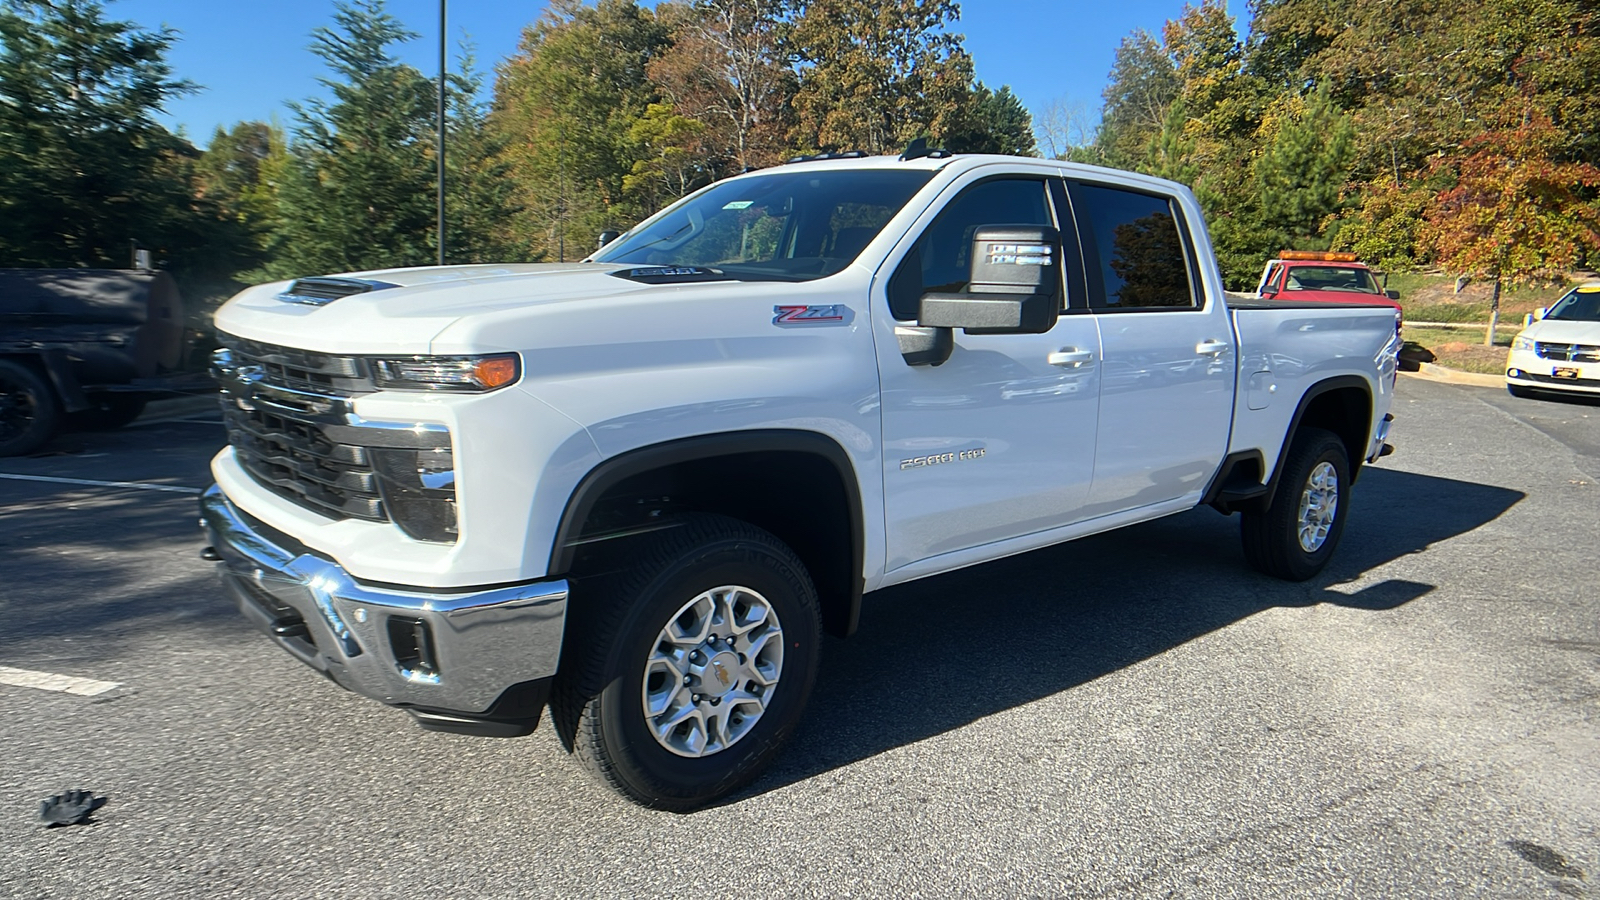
[(638, 489)]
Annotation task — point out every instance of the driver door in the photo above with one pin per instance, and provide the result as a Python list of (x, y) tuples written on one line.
[(999, 441)]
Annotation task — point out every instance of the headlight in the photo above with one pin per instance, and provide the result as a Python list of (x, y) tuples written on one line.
[(1522, 342), (464, 374)]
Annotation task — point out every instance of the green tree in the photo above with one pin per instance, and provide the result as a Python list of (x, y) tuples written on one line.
[(1515, 213), (874, 75), (239, 172), (358, 190), (1387, 226), (566, 104), (479, 192), (724, 68), (85, 171), (996, 122), (1302, 172), (1139, 92), (672, 157)]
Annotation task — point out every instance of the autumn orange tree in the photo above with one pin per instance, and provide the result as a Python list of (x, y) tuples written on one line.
[(1516, 212)]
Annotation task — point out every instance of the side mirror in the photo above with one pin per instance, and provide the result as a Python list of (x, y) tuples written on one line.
[(1540, 313), (1392, 294), (607, 237), (1013, 287), (1268, 293)]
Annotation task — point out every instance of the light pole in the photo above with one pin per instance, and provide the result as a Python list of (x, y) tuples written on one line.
[(440, 129)]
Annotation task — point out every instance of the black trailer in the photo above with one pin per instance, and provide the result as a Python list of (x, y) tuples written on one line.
[(90, 344)]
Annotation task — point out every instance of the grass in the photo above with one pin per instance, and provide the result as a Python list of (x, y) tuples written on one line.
[(1432, 298), (1463, 349), (1465, 313)]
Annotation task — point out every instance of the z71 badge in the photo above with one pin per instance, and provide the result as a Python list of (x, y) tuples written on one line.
[(833, 314)]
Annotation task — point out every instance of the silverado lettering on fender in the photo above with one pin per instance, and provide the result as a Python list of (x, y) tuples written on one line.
[(637, 489)]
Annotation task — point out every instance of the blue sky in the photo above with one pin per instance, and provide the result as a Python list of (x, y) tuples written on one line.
[(250, 58)]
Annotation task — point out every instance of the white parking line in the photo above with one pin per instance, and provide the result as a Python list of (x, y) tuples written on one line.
[(173, 489), (46, 681)]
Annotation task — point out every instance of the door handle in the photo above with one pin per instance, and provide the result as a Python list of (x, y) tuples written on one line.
[(1070, 357), (1211, 348)]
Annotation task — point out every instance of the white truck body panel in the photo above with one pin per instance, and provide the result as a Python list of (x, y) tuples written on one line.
[(611, 365)]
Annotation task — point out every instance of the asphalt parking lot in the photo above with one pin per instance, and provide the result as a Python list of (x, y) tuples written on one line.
[(1136, 714)]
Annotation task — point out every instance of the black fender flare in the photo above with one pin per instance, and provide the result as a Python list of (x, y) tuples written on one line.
[(612, 471), (1337, 382)]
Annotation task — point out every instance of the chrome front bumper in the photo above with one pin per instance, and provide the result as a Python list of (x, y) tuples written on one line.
[(457, 652)]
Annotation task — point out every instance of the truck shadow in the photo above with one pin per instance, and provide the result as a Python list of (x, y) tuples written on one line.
[(103, 565), (934, 655)]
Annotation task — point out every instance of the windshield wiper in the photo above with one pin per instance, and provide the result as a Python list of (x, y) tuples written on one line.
[(663, 239)]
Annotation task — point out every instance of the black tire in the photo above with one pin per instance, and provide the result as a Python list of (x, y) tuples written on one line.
[(109, 412), (1520, 391), (1272, 539), (597, 704), (29, 411)]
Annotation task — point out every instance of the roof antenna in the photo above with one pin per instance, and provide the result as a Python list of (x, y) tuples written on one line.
[(917, 149)]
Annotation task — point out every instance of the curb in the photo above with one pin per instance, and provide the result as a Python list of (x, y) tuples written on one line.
[(1431, 372)]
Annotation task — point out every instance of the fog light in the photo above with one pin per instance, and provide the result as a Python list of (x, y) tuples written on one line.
[(1514, 373), (419, 490)]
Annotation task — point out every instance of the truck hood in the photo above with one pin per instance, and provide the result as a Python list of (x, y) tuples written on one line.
[(421, 302), (1557, 331)]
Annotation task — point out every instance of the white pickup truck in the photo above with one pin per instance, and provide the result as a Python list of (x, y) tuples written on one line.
[(639, 488)]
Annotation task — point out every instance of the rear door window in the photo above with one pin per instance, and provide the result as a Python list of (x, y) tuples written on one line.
[(1134, 249)]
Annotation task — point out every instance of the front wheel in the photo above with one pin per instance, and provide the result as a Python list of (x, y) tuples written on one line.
[(686, 675), (1295, 536)]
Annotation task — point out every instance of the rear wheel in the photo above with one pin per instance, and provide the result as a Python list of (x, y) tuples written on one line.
[(686, 674), (1296, 535), (29, 413)]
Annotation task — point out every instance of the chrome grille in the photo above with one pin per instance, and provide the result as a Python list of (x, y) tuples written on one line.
[(282, 407), (302, 369), (293, 427), (296, 459), (1568, 352)]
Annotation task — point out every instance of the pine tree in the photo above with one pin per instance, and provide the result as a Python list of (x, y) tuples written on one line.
[(996, 122), (1301, 173), (85, 171), (358, 190), (479, 203)]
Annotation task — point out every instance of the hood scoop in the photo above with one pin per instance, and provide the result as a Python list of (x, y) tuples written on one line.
[(323, 290), (672, 274)]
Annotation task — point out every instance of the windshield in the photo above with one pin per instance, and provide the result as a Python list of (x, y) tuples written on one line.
[(1331, 278), (1579, 305), (790, 226)]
